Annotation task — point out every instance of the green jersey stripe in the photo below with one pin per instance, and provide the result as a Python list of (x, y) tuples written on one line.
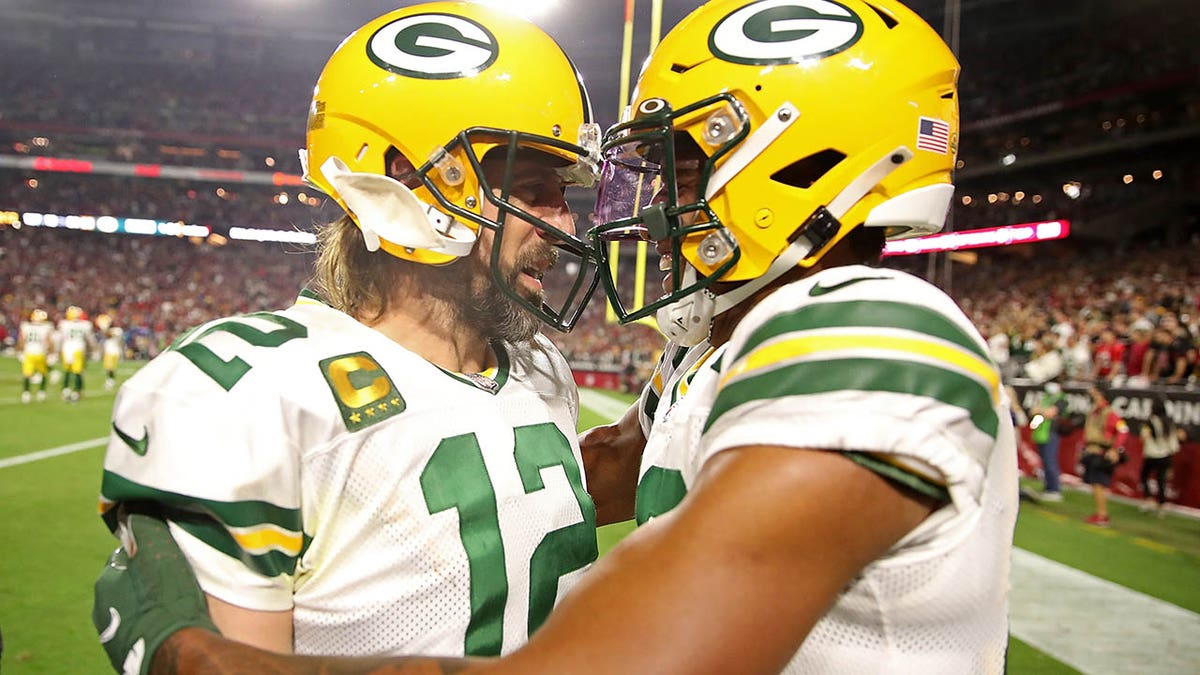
[(865, 314), (650, 404), (862, 374), (902, 477), (117, 488), (269, 563)]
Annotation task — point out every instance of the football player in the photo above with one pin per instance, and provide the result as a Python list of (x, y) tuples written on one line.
[(77, 342), (33, 344), (111, 349), (391, 464), (829, 481)]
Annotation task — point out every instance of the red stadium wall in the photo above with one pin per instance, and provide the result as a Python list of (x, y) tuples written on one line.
[(1183, 480), (598, 379)]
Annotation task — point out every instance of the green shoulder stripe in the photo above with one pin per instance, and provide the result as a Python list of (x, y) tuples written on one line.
[(209, 520), (900, 476), (862, 374), (864, 314)]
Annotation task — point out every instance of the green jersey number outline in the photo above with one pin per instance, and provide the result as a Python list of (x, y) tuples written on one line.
[(227, 373), (456, 478)]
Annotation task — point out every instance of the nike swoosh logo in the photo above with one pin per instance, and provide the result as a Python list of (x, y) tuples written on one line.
[(137, 445), (818, 289), (113, 624)]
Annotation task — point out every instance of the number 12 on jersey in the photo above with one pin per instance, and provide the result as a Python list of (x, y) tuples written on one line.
[(457, 478)]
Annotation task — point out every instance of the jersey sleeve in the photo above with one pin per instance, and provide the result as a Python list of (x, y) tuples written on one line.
[(881, 366), (221, 466)]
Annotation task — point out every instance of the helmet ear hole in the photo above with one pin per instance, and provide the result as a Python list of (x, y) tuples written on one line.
[(401, 168), (804, 172)]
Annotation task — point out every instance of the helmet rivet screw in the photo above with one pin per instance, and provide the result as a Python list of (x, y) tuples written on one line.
[(470, 202), (713, 249), (897, 158), (556, 130), (784, 115), (764, 218)]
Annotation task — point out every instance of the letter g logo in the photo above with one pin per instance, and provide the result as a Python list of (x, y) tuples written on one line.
[(433, 47), (773, 32)]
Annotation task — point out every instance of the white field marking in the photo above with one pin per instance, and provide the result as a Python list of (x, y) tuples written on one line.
[(1096, 626), (52, 452), (602, 404)]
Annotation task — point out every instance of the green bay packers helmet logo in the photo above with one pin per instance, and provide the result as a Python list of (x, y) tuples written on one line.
[(773, 32), (433, 46)]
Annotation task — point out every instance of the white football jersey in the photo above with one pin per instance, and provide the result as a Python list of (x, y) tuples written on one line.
[(112, 342), (75, 334), (882, 366), (310, 463), (36, 335)]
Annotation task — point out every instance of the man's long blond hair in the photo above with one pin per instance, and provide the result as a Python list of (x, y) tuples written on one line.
[(349, 277)]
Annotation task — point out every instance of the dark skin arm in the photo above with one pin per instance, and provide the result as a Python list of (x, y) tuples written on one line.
[(612, 455), (755, 555)]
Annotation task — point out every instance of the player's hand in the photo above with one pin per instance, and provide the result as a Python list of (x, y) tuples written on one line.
[(142, 597)]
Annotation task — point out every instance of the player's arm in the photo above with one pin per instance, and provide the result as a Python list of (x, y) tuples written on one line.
[(268, 630), (611, 457), (734, 578), (755, 555)]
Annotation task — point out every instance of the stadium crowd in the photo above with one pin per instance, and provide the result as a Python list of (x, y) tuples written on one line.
[(217, 205), (1121, 316)]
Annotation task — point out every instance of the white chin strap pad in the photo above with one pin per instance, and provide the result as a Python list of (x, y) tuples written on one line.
[(686, 321), (387, 210)]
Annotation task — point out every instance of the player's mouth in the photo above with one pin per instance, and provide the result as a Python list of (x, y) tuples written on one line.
[(530, 277)]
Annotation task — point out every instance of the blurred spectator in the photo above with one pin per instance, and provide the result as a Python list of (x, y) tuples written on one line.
[(1109, 356), (1160, 441), (1104, 435), (1046, 361), (1139, 356), (1045, 432)]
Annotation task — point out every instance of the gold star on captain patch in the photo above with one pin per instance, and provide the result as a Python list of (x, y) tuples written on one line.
[(395, 401), (355, 417), (370, 412), (382, 406)]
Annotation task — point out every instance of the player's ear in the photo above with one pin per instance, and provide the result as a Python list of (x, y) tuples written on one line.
[(402, 169)]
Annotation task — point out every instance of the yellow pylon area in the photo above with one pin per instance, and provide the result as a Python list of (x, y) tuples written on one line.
[(639, 289)]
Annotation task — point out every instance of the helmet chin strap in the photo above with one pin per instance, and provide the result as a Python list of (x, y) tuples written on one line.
[(687, 321), (387, 210)]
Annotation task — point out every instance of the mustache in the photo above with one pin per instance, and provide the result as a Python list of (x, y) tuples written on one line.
[(542, 256)]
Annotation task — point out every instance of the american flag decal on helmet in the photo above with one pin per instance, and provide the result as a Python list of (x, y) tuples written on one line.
[(933, 135)]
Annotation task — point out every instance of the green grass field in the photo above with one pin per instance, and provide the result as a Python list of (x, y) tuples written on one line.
[(56, 543)]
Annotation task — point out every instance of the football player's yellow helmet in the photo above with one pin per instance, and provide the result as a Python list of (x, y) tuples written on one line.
[(38, 315), (103, 321), (73, 313), (443, 84), (811, 118)]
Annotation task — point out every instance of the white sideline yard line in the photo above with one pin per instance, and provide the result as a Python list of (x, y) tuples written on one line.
[(1096, 626), (602, 404), (52, 452)]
